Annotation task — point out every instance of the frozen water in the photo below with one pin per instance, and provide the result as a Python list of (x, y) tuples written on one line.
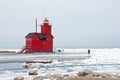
[(104, 56), (75, 60)]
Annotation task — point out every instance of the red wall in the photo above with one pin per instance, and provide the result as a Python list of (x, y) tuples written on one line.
[(45, 28), (36, 45)]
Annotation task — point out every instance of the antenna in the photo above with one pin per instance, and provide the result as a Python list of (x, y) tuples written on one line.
[(36, 24), (43, 9)]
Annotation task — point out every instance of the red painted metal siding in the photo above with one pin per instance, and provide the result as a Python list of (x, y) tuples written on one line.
[(37, 45), (28, 43), (46, 28)]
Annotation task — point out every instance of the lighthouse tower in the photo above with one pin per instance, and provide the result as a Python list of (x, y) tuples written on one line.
[(46, 31), (46, 27), (39, 42)]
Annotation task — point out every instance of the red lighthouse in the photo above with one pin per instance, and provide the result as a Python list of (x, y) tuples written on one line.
[(39, 42)]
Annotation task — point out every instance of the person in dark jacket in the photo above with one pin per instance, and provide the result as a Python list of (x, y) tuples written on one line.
[(88, 51)]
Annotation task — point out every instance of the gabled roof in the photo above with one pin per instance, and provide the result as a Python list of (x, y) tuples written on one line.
[(41, 36), (49, 35), (29, 35)]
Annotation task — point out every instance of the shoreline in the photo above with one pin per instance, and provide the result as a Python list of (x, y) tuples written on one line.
[(83, 78), (8, 51)]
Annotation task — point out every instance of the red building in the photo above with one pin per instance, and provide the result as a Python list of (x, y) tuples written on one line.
[(39, 42)]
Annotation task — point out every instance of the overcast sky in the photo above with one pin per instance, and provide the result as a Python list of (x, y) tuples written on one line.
[(75, 23)]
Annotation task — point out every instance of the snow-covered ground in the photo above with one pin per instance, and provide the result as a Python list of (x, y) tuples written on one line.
[(100, 61), (99, 56), (10, 50)]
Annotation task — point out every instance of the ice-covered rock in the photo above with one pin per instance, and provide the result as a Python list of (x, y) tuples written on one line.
[(46, 79), (19, 78), (33, 72), (89, 76), (39, 78), (80, 74), (87, 71), (96, 74)]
